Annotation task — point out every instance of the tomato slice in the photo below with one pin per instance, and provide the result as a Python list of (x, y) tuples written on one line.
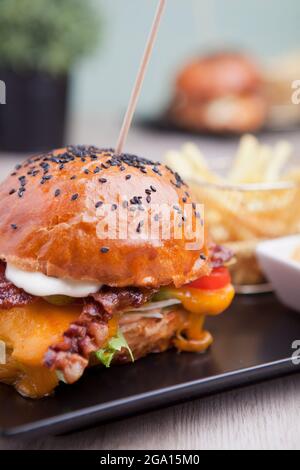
[(219, 278)]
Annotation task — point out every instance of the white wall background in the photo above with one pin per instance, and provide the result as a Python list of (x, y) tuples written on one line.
[(102, 83)]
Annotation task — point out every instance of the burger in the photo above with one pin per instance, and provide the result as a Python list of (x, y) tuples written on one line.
[(82, 282), (221, 93)]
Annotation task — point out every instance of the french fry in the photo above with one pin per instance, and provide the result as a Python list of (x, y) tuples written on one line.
[(244, 160), (241, 215), (263, 162), (282, 153), (197, 161)]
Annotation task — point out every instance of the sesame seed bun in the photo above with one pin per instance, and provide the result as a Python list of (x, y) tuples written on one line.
[(51, 212)]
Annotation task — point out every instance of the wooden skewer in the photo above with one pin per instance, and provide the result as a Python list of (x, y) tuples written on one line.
[(140, 79)]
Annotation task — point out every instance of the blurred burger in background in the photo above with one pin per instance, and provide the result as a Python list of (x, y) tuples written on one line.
[(219, 93)]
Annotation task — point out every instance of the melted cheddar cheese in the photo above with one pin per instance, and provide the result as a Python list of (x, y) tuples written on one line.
[(199, 303), (204, 302), (28, 332)]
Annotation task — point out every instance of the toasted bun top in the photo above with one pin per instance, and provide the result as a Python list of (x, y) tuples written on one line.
[(52, 212), (218, 75)]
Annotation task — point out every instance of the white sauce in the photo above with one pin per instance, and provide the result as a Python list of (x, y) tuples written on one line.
[(40, 285)]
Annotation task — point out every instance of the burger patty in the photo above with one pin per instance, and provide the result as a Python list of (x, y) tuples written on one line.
[(150, 335), (90, 333)]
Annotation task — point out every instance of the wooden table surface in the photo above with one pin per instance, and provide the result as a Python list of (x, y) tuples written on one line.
[(264, 416)]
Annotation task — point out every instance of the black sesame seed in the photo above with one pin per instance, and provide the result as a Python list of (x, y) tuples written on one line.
[(203, 257), (73, 177), (122, 168), (194, 206), (148, 191), (198, 215), (74, 197), (96, 170), (57, 193), (12, 191), (104, 249), (14, 226), (148, 199), (153, 189), (139, 227), (114, 207), (18, 167), (125, 204), (156, 170), (156, 217), (13, 174), (102, 180), (86, 171), (98, 204), (135, 200), (128, 177)]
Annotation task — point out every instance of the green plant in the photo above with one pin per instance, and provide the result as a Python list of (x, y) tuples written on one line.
[(46, 35)]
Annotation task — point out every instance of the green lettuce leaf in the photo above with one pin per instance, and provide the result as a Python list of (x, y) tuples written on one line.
[(115, 344)]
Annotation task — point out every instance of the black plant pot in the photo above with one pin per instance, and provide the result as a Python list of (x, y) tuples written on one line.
[(34, 116)]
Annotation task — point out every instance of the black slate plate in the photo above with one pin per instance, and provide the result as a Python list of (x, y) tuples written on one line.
[(253, 342)]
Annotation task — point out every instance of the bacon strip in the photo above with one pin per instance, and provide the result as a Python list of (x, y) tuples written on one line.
[(220, 255), (88, 334), (10, 295), (115, 300)]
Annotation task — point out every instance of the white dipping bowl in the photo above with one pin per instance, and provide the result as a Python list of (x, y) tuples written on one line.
[(276, 260)]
